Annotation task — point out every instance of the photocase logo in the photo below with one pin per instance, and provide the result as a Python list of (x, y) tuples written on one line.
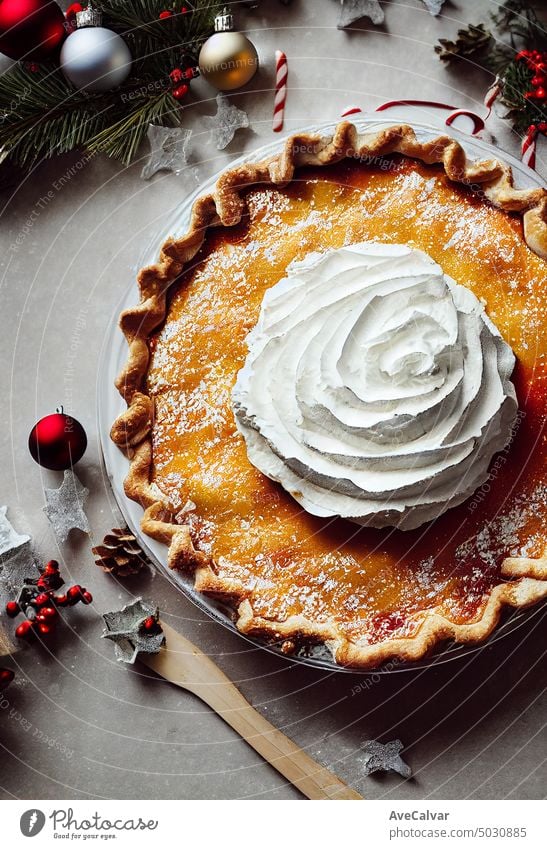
[(32, 822)]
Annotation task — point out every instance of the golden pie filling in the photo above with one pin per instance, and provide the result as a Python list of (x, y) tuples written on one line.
[(373, 584)]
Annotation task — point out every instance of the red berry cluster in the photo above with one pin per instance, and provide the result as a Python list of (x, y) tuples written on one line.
[(168, 13), (150, 625), (536, 62), (180, 79), (38, 602), (73, 9), (70, 16), (6, 677)]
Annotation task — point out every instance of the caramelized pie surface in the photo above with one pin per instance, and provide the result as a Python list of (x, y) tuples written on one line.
[(374, 584)]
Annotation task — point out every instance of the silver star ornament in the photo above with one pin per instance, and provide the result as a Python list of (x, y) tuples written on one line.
[(385, 757), (226, 122), (65, 506), (433, 6), (168, 150), (354, 10)]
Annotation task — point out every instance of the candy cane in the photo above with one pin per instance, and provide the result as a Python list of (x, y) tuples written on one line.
[(528, 149), (492, 95), (281, 74), (351, 110)]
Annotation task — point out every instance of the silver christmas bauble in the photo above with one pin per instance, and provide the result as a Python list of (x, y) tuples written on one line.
[(95, 59)]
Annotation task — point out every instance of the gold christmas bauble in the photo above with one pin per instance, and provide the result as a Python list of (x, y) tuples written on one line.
[(228, 60)]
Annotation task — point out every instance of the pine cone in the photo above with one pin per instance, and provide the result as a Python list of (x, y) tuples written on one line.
[(6, 645), (470, 42), (120, 554)]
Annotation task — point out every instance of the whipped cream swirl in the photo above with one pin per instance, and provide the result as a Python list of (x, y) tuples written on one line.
[(375, 387)]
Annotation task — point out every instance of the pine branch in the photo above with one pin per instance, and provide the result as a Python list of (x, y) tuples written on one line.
[(42, 115), (122, 139), (45, 116), (519, 18), (148, 35)]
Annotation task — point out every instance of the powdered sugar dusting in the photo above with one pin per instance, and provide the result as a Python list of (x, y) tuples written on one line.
[(500, 537)]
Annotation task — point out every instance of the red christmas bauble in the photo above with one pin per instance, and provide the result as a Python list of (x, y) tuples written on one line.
[(57, 441), (30, 29)]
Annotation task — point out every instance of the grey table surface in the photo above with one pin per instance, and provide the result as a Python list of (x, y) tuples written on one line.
[(470, 729)]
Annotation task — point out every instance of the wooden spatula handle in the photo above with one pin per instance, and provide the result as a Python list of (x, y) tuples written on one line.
[(313, 780), (184, 664)]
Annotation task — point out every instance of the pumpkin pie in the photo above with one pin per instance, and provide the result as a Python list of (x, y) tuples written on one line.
[(336, 395)]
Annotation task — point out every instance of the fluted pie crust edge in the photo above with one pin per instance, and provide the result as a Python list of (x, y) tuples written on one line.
[(526, 578)]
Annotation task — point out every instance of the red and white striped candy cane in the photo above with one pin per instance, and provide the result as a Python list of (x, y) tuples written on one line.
[(351, 110), (528, 147), (492, 95), (281, 74)]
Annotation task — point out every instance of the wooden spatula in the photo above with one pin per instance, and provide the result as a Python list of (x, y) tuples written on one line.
[(183, 664)]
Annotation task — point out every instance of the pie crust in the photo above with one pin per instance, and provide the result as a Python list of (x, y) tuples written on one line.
[(525, 579)]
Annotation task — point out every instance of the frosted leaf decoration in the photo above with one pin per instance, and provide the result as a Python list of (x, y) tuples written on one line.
[(133, 629), (433, 6), (64, 506), (384, 757), (168, 150), (226, 122), (354, 10), (16, 559), (14, 571), (16, 565), (10, 539)]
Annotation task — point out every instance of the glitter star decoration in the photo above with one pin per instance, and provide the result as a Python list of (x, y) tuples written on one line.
[(384, 757), (64, 506), (433, 6), (133, 629), (168, 150), (354, 10), (226, 122)]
